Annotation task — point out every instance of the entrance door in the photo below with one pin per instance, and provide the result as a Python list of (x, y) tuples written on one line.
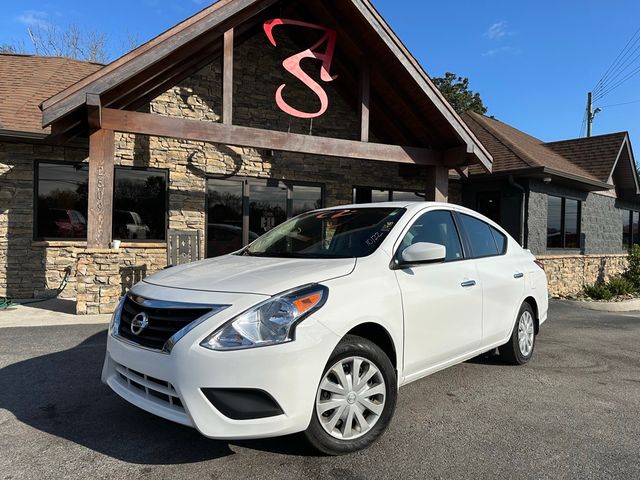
[(239, 210), (488, 204)]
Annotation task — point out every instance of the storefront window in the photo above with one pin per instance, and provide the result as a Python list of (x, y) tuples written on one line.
[(305, 199), (139, 204), (630, 228), (139, 199), (563, 222), (372, 195), (260, 204), (61, 210)]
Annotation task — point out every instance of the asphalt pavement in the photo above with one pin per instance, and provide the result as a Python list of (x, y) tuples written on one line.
[(573, 412)]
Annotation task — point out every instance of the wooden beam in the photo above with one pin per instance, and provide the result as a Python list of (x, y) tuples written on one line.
[(227, 78), (462, 171), (365, 97), (100, 208), (437, 184), (94, 111), (159, 126)]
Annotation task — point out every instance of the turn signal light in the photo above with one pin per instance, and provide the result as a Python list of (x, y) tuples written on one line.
[(304, 304)]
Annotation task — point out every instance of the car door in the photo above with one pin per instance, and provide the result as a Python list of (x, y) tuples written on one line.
[(442, 302), (501, 279)]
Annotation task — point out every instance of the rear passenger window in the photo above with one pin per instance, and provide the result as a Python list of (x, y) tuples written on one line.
[(480, 237), (435, 227), (501, 241)]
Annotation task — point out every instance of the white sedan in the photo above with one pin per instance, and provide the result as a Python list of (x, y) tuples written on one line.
[(314, 326)]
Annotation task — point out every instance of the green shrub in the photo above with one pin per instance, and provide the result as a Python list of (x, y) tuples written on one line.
[(598, 291), (620, 285), (632, 274)]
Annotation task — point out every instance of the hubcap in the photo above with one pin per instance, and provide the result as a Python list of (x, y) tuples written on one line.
[(351, 398), (526, 333)]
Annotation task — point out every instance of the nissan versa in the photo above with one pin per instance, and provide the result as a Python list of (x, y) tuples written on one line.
[(314, 326)]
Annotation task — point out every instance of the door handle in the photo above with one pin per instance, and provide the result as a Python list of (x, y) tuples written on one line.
[(518, 275), (468, 283)]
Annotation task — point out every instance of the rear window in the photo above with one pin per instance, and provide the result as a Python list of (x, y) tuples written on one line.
[(501, 240), (480, 236)]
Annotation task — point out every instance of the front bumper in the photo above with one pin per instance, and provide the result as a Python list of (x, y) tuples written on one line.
[(170, 385)]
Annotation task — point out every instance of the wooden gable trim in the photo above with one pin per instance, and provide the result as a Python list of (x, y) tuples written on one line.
[(150, 53), (412, 66), (626, 142)]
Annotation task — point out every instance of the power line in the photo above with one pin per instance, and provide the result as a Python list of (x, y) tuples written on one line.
[(620, 82), (623, 67), (620, 104), (617, 60)]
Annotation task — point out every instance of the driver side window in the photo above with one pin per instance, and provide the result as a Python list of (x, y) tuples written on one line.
[(435, 227)]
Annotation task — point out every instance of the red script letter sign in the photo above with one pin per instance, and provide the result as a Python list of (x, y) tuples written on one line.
[(292, 65)]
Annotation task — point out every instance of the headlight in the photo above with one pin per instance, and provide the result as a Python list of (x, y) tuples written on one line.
[(270, 322), (115, 318)]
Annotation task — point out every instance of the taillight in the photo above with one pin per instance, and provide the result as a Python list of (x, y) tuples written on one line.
[(539, 263)]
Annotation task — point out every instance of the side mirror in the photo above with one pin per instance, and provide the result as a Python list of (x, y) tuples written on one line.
[(422, 253)]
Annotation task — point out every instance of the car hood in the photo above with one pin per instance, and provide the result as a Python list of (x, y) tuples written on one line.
[(257, 275)]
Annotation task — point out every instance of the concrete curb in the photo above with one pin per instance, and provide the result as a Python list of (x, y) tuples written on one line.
[(624, 306), (47, 314)]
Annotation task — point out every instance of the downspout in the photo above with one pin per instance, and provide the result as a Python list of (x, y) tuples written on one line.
[(514, 184)]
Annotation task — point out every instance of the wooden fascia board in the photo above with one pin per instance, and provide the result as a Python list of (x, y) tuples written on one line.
[(195, 130), (422, 79)]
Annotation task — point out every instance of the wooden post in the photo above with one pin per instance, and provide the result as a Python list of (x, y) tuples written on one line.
[(365, 96), (227, 79), (437, 184), (100, 208)]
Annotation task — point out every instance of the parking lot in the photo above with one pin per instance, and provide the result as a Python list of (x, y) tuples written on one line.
[(574, 412)]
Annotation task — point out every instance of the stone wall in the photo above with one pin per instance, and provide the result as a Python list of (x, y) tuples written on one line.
[(103, 275), (569, 274)]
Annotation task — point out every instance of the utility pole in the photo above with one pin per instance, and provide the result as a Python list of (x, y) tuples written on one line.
[(591, 113)]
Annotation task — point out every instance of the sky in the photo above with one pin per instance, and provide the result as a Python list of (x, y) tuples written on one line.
[(533, 62)]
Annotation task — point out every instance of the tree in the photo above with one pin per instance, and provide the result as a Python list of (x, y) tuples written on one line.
[(50, 41), (456, 90), (73, 43)]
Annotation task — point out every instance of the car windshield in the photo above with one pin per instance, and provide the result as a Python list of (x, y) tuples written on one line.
[(344, 233)]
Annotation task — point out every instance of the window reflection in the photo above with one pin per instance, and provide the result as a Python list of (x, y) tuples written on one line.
[(62, 201), (139, 201)]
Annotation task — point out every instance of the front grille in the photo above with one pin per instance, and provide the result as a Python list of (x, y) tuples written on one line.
[(152, 388), (164, 322)]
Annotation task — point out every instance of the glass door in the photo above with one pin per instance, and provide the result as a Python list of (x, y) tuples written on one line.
[(239, 210)]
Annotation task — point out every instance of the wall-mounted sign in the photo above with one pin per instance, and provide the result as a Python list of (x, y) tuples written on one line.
[(292, 65)]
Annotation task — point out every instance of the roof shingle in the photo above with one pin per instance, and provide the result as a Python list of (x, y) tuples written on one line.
[(513, 150), (27, 80), (596, 155)]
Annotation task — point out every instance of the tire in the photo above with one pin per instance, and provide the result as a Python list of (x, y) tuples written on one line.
[(372, 405), (519, 349)]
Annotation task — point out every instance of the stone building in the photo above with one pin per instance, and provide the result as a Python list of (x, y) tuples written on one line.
[(214, 132), (573, 203)]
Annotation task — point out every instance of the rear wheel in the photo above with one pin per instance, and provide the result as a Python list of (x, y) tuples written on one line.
[(519, 349), (355, 400)]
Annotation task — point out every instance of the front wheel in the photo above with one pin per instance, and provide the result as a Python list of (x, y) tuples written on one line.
[(355, 400), (519, 349)]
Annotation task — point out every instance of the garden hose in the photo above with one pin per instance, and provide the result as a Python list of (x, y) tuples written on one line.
[(7, 302)]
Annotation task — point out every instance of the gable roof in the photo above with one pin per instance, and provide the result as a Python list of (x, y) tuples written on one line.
[(145, 65), (26, 80), (597, 155), (514, 150)]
